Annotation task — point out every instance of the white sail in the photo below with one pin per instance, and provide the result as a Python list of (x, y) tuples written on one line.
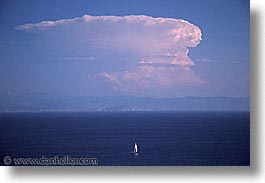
[(135, 148)]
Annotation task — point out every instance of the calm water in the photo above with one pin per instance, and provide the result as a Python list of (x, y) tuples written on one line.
[(164, 138)]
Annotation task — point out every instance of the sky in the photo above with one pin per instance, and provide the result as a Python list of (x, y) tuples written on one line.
[(162, 49)]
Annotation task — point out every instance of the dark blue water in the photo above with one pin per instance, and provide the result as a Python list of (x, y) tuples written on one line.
[(164, 138)]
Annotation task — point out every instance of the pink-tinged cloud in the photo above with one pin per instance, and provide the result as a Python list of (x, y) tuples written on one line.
[(161, 44), (149, 77)]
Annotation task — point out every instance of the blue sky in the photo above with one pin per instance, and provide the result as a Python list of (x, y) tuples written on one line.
[(55, 60)]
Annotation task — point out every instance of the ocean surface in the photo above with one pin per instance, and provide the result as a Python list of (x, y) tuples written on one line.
[(164, 138)]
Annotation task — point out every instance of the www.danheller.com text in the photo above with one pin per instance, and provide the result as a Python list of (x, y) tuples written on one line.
[(55, 160)]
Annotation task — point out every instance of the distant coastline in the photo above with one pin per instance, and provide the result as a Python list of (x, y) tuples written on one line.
[(54, 103)]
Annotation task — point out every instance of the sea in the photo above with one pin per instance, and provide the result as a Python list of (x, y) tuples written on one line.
[(164, 138)]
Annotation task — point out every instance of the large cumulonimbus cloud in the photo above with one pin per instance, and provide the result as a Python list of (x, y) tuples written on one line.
[(160, 44)]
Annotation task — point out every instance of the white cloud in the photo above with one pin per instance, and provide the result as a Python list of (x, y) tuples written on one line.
[(91, 58), (161, 44), (206, 60)]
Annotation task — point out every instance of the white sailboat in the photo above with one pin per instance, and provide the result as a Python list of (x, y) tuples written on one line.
[(135, 149)]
